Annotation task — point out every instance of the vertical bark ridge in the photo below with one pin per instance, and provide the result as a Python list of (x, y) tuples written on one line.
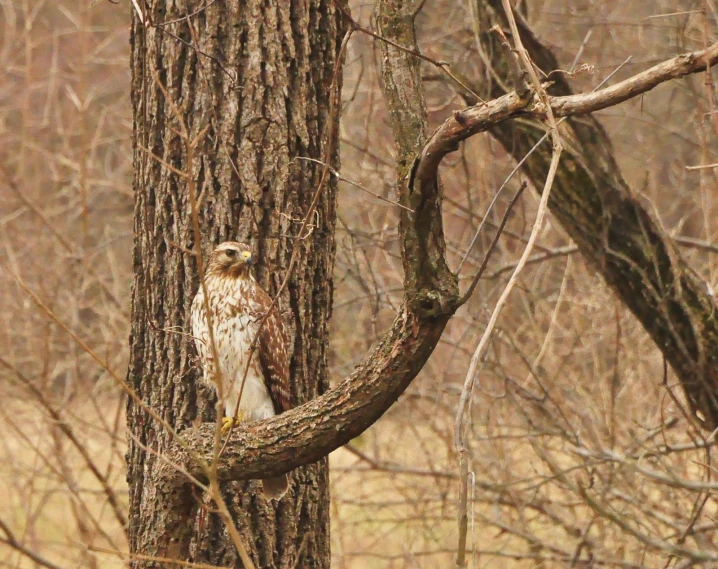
[(251, 187)]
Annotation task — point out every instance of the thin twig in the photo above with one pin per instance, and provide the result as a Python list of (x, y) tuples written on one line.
[(338, 176), (579, 53), (443, 65), (11, 541), (476, 359), (492, 246)]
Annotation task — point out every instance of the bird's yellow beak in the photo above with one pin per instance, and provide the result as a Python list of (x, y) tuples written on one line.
[(246, 257)]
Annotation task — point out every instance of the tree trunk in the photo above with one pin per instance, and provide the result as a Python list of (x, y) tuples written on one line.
[(612, 229), (251, 82)]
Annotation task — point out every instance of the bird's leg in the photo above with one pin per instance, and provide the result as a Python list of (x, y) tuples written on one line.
[(229, 422)]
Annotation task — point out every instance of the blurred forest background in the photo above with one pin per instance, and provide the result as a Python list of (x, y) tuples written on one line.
[(567, 356)]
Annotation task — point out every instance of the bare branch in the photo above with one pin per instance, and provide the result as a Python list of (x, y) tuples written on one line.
[(309, 432), (470, 121)]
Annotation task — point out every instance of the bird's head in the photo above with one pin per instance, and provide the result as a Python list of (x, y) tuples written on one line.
[(230, 259)]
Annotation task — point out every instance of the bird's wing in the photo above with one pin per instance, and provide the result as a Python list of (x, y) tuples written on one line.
[(273, 354)]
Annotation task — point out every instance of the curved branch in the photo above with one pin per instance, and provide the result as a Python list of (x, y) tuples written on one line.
[(613, 230), (307, 433), (481, 117), (311, 431)]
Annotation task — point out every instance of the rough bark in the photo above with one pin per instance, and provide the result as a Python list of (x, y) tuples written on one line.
[(278, 111), (251, 81), (613, 230), (404, 94), (315, 429), (310, 432)]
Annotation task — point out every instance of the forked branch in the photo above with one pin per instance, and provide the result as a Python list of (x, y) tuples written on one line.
[(313, 430), (479, 118)]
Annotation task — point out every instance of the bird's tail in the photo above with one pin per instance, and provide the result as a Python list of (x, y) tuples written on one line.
[(275, 488)]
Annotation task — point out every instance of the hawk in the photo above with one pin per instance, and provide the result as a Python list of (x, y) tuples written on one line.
[(250, 390)]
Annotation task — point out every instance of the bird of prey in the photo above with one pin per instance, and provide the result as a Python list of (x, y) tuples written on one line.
[(251, 385)]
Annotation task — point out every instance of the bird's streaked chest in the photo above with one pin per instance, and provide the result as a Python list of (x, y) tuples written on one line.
[(235, 317)]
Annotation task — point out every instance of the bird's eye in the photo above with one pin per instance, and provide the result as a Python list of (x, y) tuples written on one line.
[(231, 253)]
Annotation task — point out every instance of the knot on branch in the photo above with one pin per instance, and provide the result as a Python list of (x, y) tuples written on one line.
[(435, 303)]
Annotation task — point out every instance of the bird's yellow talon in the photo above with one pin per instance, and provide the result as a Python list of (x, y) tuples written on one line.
[(229, 422)]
